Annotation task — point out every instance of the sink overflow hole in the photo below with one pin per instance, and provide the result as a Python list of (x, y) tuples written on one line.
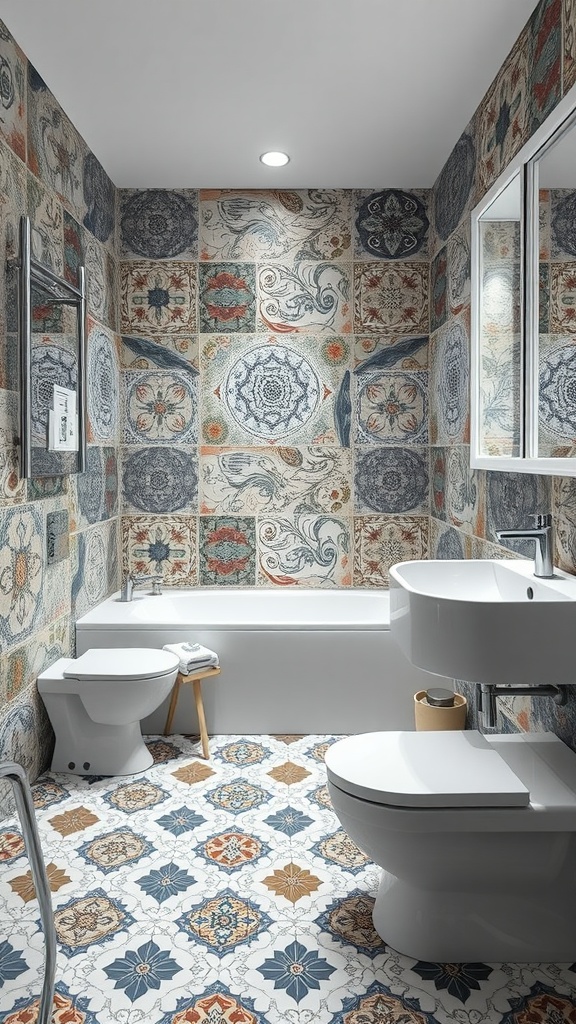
[(529, 593)]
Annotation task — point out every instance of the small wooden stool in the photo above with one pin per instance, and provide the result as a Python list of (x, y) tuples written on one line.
[(196, 679)]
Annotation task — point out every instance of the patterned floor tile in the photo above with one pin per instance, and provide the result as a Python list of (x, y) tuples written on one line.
[(227, 892)]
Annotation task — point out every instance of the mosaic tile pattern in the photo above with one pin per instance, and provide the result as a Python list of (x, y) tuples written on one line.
[(305, 297), (158, 298), (381, 541), (392, 480), (13, 103), (504, 115), (55, 149), (159, 224), (160, 408), (152, 546), (309, 550), (391, 298), (21, 574), (227, 551), (391, 225), (158, 479), (267, 917), (449, 384), (227, 297)]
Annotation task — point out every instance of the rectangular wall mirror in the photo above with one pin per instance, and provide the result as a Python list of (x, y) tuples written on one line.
[(523, 360)]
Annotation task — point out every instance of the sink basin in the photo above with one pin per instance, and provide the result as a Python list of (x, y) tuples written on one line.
[(486, 621)]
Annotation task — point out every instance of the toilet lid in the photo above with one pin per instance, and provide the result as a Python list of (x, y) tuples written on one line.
[(122, 663), (425, 769)]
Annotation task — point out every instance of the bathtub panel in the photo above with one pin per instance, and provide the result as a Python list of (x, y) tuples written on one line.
[(286, 681)]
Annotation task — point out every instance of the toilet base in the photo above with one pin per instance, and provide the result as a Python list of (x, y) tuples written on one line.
[(110, 750), (463, 927)]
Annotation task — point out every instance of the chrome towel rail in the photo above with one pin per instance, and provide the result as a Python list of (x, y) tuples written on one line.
[(16, 775)]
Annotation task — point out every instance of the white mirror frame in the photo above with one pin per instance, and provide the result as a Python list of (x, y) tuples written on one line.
[(564, 115)]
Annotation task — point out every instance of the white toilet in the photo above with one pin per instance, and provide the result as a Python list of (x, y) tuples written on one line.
[(476, 836), (96, 703)]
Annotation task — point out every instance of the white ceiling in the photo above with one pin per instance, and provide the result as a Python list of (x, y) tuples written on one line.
[(175, 93)]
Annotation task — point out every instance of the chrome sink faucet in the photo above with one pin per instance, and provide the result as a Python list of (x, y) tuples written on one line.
[(542, 534), (130, 582)]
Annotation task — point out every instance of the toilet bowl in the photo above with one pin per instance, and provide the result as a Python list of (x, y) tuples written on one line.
[(96, 703), (476, 836)]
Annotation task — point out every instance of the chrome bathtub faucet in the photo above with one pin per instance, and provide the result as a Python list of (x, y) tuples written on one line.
[(130, 582), (542, 534)]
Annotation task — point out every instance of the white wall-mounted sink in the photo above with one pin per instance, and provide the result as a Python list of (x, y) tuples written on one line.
[(486, 621)]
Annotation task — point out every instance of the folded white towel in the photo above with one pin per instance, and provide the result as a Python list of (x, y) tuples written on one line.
[(193, 656)]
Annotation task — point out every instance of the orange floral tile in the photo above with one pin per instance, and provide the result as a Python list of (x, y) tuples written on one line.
[(23, 885), (74, 820), (231, 849), (194, 772), (11, 845), (289, 773), (292, 882)]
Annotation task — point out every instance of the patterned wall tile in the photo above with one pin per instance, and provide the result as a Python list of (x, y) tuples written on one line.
[(159, 479), (99, 200), (391, 298), (158, 224), (439, 290), (438, 482), (173, 352), (504, 114), (299, 224), (512, 499), (391, 224), (73, 248), (563, 298), (102, 370), (160, 408), (464, 491), (101, 282), (158, 298), (21, 574), (392, 408), (272, 480), (46, 226), (381, 541), (545, 67), (22, 733), (13, 112), (557, 380), (94, 493), (12, 486), (447, 542), (55, 149), (391, 480), (94, 566), (569, 35), (227, 297), (227, 551), (454, 186), (305, 297), (307, 549), (562, 207), (458, 284), (20, 668), (153, 546), (393, 352), (449, 383), (267, 390), (564, 508)]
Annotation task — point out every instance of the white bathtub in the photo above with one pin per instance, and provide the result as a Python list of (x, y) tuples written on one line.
[(293, 661)]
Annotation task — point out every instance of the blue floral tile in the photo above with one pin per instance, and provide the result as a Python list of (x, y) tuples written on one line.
[(289, 820), (227, 297), (181, 820), (12, 964), (459, 980), (392, 408), (454, 186), (158, 224), (166, 881), (309, 298), (392, 480), (142, 969), (227, 550), (135, 796), (224, 922), (159, 479), (231, 851), (243, 752), (160, 408), (102, 372), (392, 225), (99, 199), (296, 970), (95, 491), (259, 225)]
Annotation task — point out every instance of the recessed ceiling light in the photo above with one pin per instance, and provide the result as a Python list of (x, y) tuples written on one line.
[(275, 159)]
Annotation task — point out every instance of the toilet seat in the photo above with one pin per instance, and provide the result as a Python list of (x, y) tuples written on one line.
[(122, 664), (542, 765)]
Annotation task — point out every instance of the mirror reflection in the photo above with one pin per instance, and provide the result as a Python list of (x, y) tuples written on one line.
[(499, 312)]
